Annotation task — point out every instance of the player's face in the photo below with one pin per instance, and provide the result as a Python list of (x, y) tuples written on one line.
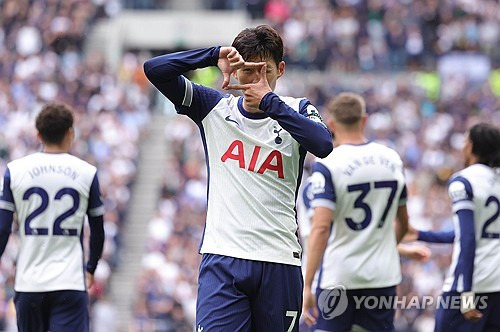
[(248, 75)]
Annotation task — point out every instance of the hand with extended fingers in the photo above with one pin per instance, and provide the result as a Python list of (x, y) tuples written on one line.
[(255, 91), (229, 61)]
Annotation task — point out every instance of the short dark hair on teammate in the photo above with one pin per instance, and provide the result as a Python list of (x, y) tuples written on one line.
[(53, 122), (347, 108), (259, 43), (485, 140)]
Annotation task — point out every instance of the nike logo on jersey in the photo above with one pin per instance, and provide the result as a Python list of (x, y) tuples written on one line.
[(228, 119)]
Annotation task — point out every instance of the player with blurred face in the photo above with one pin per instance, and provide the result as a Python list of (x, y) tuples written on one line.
[(250, 277), (474, 276), (51, 192), (359, 190)]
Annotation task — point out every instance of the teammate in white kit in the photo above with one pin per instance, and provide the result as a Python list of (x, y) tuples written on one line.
[(51, 192), (359, 190), (474, 272), (250, 277)]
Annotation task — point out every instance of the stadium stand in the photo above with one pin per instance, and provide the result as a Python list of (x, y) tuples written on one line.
[(41, 59)]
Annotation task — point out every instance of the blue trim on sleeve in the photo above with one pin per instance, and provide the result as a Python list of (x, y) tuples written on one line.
[(465, 264), (436, 237), (165, 73), (204, 100), (6, 218), (6, 198), (311, 135), (404, 194), (328, 191), (96, 242), (468, 189), (95, 200), (205, 148), (303, 106)]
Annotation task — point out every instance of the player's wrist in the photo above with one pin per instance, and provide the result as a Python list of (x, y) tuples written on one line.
[(90, 269), (467, 302), (264, 100)]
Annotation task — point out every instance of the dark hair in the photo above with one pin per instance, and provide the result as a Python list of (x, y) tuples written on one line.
[(53, 122), (259, 43), (347, 108), (485, 140)]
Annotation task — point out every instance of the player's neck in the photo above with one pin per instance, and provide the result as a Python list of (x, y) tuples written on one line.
[(45, 150), (350, 138), (471, 160), (55, 148), (250, 109)]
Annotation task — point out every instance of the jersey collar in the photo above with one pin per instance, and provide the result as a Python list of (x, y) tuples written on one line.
[(249, 115)]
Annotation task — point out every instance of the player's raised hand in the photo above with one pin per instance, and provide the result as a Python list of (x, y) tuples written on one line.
[(309, 309), (254, 92), (229, 60)]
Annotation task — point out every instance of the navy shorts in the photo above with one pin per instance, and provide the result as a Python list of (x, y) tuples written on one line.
[(243, 295), (341, 314), (453, 320), (57, 311)]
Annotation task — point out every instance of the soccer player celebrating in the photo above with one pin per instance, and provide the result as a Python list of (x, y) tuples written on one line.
[(250, 277), (359, 189), (51, 192), (474, 272)]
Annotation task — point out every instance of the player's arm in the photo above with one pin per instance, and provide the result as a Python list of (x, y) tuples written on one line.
[(6, 211), (460, 192), (95, 213), (436, 237), (306, 126), (402, 216), (323, 203), (414, 234), (415, 252), (166, 73)]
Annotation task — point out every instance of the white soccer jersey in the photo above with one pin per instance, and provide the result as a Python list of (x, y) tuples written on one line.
[(51, 194), (254, 160), (477, 188), (257, 170), (364, 186)]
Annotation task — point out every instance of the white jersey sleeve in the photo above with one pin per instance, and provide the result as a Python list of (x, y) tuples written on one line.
[(476, 189)]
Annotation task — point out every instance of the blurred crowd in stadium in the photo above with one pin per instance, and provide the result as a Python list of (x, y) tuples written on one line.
[(41, 59), (420, 114), (370, 34)]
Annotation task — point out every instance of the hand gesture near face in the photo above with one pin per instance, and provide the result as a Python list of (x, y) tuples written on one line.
[(254, 92), (229, 61)]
